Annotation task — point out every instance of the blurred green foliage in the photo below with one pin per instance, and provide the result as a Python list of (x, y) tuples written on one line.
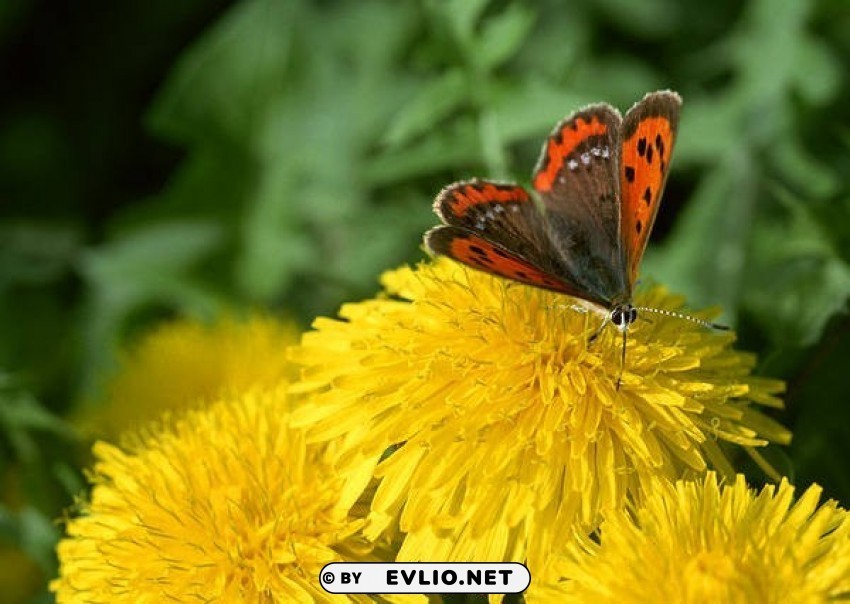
[(185, 158)]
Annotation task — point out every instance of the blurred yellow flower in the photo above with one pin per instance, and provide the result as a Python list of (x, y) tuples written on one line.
[(183, 363), (225, 504), (508, 425), (696, 542)]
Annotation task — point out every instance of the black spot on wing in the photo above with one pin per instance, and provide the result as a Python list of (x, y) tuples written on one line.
[(647, 195), (630, 174)]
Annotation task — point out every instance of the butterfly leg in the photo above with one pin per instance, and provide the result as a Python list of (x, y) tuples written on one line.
[(598, 331), (622, 358)]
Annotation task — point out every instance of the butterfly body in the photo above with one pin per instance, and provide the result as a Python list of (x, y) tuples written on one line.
[(599, 182)]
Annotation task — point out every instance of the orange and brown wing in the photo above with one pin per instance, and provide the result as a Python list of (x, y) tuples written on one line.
[(466, 202), (476, 252), (594, 127), (497, 228), (500, 212), (648, 135), (578, 180)]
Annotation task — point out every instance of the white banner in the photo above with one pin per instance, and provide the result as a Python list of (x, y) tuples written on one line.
[(424, 577)]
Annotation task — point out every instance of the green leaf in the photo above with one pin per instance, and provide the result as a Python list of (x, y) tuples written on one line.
[(150, 253), (462, 15), (528, 109), (800, 168), (37, 536), (36, 253), (818, 397), (705, 255), (224, 85), (817, 71), (647, 18), (765, 45), (22, 418), (502, 35), (452, 148), (375, 253), (275, 245), (435, 101), (707, 126), (147, 266), (800, 281)]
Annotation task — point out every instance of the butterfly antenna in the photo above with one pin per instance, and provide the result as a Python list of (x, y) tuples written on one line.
[(678, 315), (622, 359)]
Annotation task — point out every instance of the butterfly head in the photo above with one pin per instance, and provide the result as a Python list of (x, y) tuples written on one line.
[(623, 315)]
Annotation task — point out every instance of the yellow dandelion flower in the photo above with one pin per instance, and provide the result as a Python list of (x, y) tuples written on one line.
[(700, 542), (227, 504), (185, 362), (508, 423)]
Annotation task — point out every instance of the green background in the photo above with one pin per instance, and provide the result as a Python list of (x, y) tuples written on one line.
[(163, 159)]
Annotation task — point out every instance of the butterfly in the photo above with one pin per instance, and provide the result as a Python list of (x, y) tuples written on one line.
[(599, 181)]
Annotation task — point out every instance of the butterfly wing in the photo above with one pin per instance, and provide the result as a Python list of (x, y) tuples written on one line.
[(578, 180), (648, 135), (501, 212), (497, 228), (600, 179), (473, 250)]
